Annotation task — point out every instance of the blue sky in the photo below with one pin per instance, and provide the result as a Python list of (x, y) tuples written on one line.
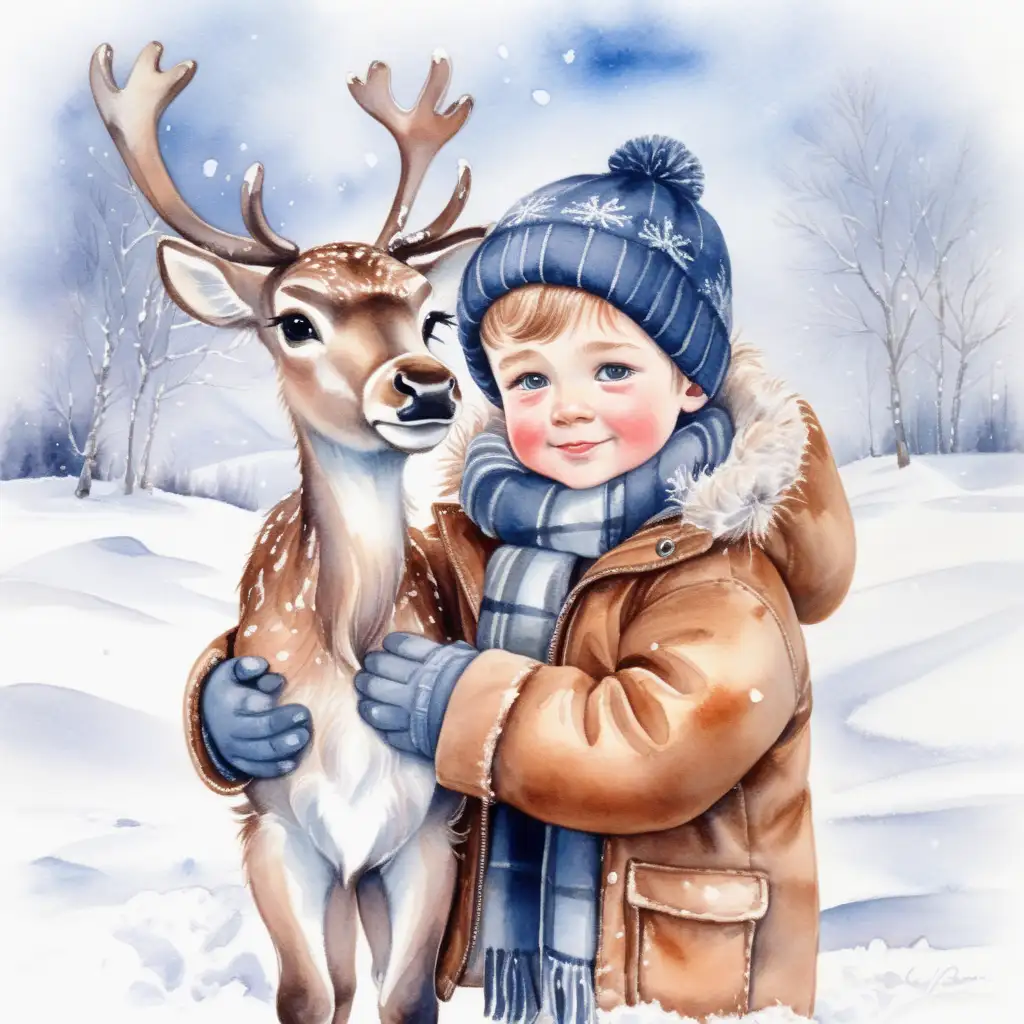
[(731, 78)]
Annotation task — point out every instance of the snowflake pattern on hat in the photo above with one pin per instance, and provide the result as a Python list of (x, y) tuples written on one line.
[(667, 241), (608, 214), (537, 206), (529, 210), (719, 293)]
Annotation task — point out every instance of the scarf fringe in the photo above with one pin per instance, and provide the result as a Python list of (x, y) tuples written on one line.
[(567, 986), (510, 986)]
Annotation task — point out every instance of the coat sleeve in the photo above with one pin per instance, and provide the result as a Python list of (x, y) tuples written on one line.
[(704, 685), (219, 650)]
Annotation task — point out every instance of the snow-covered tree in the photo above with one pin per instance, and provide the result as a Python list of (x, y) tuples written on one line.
[(973, 317), (100, 274), (946, 216), (128, 345), (164, 367), (854, 199), (176, 370), (957, 287), (898, 236)]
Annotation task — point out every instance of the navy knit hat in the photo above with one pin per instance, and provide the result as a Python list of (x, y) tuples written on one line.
[(635, 237)]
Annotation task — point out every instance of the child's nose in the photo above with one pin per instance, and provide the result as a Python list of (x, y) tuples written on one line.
[(566, 411)]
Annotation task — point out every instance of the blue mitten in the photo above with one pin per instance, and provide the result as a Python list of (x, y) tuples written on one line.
[(244, 732), (407, 686)]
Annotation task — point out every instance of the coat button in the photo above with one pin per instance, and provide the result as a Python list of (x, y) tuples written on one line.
[(665, 547)]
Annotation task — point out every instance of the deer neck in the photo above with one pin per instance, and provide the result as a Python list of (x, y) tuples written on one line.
[(355, 502)]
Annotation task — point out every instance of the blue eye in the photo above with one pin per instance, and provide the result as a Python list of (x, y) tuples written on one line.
[(611, 372), (531, 382)]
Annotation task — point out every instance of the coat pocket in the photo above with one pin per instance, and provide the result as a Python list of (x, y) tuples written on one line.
[(691, 931)]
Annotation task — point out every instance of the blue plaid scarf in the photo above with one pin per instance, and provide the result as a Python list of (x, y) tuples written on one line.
[(542, 886)]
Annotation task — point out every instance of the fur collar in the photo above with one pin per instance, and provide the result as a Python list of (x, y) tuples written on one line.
[(741, 498)]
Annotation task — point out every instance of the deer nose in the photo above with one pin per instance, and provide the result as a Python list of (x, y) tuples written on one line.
[(427, 400)]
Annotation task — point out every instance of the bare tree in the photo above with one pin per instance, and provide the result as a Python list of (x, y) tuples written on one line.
[(163, 390), (855, 203), (100, 276), (175, 379), (946, 214), (957, 288), (974, 319), (97, 314), (152, 334), (935, 360), (869, 395), (156, 313), (119, 308)]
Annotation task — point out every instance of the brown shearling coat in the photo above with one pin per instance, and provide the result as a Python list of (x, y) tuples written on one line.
[(672, 717)]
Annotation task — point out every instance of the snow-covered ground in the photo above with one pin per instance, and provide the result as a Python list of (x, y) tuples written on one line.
[(121, 894)]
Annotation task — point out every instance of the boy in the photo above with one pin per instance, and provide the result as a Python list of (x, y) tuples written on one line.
[(624, 698)]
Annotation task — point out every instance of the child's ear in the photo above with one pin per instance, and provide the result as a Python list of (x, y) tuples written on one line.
[(207, 287), (693, 396)]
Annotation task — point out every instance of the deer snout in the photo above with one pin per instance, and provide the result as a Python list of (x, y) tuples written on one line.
[(423, 389), (426, 401), (413, 403)]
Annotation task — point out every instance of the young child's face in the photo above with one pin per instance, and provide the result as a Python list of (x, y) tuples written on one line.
[(596, 401)]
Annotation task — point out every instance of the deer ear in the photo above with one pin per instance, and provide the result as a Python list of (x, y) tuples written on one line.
[(208, 287), (439, 253), (443, 264)]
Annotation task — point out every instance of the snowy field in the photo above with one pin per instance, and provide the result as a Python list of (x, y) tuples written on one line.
[(121, 893)]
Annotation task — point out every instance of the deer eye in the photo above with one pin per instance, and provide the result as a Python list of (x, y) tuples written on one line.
[(297, 329)]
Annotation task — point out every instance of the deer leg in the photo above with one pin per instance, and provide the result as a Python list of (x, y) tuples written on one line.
[(373, 914), (291, 883), (340, 931), (418, 884)]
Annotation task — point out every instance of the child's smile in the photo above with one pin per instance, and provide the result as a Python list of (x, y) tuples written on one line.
[(579, 448)]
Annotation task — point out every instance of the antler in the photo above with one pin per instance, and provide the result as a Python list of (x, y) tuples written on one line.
[(420, 133), (132, 115)]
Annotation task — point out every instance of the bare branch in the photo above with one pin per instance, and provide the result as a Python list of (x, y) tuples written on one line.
[(151, 231)]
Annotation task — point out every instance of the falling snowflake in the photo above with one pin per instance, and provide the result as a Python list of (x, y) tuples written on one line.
[(719, 293), (532, 208), (608, 214), (665, 239)]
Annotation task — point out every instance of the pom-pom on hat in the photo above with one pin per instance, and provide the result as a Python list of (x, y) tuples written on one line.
[(635, 236)]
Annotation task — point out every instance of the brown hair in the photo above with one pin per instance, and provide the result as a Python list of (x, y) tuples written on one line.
[(540, 312)]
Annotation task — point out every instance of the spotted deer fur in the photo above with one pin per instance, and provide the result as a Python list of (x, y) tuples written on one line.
[(358, 831)]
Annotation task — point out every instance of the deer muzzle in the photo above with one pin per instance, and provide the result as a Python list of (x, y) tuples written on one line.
[(412, 402)]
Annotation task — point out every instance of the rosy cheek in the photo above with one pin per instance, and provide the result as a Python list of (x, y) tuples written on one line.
[(637, 428), (526, 428), (631, 419)]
